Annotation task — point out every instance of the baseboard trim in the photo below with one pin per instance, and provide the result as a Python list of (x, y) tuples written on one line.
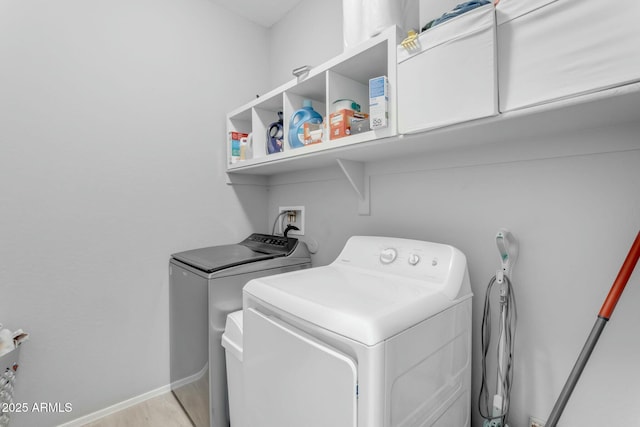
[(78, 422)]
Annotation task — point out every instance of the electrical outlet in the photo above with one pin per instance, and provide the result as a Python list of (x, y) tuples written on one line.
[(295, 218), (535, 422)]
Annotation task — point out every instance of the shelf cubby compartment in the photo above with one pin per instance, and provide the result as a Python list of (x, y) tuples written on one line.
[(349, 79), (314, 89), (263, 115), (241, 121)]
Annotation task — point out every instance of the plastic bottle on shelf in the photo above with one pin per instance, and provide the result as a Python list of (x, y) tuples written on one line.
[(246, 147), (296, 126), (275, 136)]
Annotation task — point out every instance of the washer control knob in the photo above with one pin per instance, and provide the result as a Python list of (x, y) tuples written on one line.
[(414, 259), (387, 256)]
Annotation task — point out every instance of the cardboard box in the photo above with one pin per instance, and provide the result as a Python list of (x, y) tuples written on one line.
[(360, 125), (379, 102), (313, 133), (234, 145), (340, 123)]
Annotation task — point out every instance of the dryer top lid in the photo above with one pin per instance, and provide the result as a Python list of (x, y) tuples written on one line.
[(370, 293)]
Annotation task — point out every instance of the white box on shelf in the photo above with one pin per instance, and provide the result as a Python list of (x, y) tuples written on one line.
[(554, 49), (379, 102), (451, 75)]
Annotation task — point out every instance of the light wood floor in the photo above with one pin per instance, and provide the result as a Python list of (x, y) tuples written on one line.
[(161, 411)]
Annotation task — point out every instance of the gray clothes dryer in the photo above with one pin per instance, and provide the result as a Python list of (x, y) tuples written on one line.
[(206, 285)]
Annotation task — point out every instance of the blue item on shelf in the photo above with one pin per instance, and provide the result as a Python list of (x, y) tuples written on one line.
[(459, 10), (296, 126), (275, 136)]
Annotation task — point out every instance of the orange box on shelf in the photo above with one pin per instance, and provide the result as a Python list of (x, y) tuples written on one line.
[(340, 122), (313, 133)]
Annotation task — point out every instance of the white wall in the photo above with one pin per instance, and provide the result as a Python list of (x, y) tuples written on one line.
[(575, 216), (112, 149), (310, 34)]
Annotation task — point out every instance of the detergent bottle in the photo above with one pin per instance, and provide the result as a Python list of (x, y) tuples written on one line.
[(275, 136), (296, 126)]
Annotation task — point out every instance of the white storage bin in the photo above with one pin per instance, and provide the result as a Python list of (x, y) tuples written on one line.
[(554, 49), (232, 342), (451, 77)]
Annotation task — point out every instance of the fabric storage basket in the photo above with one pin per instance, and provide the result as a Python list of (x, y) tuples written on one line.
[(451, 76), (554, 49)]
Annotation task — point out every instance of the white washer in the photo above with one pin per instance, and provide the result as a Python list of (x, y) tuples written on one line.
[(381, 337), (204, 286)]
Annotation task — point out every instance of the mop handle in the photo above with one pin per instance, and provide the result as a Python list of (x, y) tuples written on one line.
[(603, 317), (621, 281)]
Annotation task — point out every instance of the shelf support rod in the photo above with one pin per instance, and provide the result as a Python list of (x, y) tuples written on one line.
[(359, 179)]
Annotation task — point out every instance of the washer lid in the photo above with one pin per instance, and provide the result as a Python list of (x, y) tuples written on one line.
[(365, 306), (217, 258)]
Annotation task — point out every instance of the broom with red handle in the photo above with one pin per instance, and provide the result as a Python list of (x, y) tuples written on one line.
[(604, 315)]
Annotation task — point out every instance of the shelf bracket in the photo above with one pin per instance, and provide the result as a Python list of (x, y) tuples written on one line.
[(357, 175)]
